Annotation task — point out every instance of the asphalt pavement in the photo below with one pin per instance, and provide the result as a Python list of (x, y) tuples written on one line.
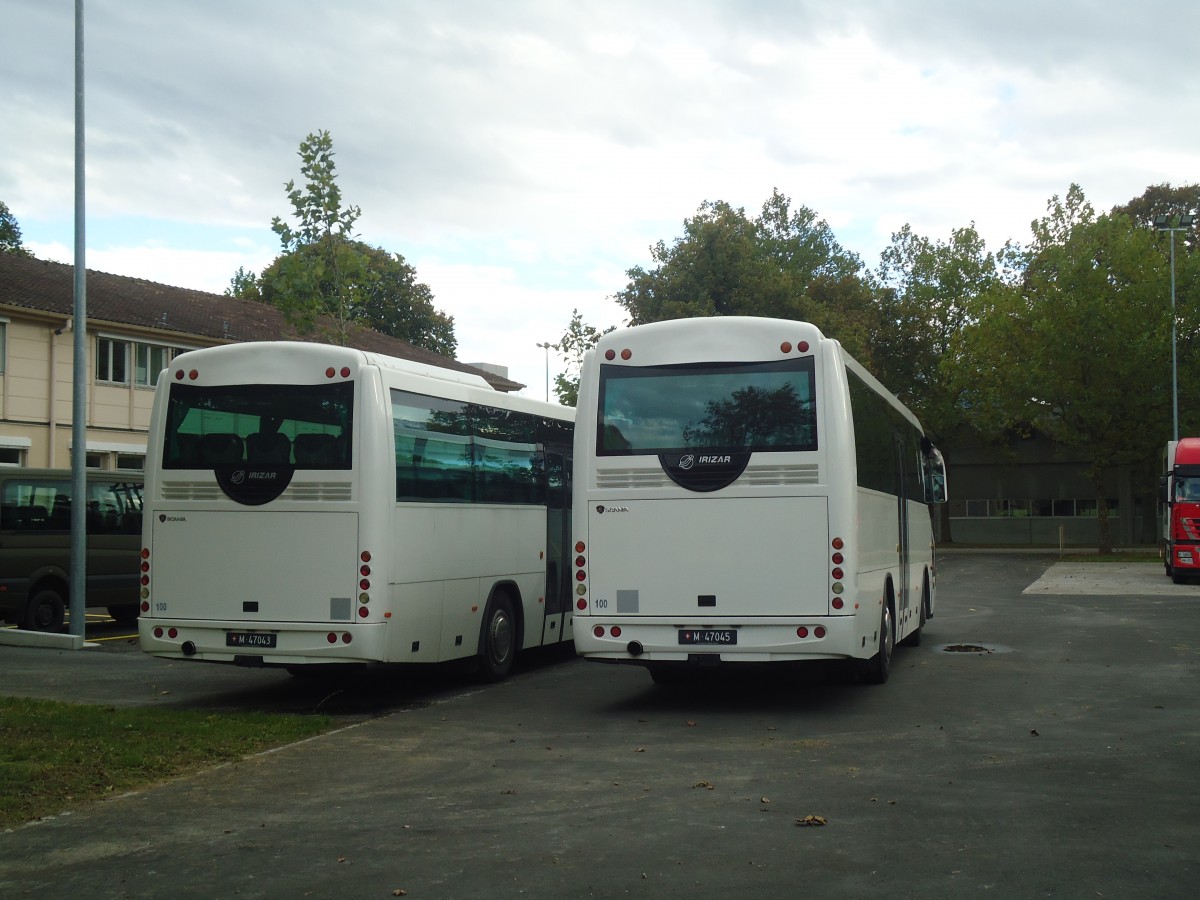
[(1042, 741)]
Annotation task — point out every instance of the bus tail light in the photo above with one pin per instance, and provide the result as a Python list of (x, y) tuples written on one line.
[(837, 588), (580, 577), (364, 586), (144, 589)]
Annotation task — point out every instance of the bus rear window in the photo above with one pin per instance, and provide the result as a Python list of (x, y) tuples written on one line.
[(744, 407), (302, 426)]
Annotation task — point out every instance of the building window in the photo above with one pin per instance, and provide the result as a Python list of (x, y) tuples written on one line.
[(112, 361), (12, 456), (150, 359), (131, 461)]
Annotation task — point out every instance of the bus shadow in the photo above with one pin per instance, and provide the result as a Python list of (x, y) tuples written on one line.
[(812, 687), (356, 693)]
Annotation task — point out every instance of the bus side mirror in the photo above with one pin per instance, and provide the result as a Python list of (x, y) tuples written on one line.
[(935, 476)]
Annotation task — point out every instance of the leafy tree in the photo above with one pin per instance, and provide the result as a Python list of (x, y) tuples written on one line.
[(928, 288), (10, 233), (785, 263), (1077, 346), (382, 293), (326, 275), (318, 273), (575, 342), (1164, 200)]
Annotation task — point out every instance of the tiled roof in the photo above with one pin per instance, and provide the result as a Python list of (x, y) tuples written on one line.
[(119, 300)]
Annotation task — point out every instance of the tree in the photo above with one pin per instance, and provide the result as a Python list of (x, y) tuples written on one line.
[(575, 342), (785, 263), (927, 290), (1076, 345), (1164, 200), (381, 292), (314, 275), (326, 280), (10, 233)]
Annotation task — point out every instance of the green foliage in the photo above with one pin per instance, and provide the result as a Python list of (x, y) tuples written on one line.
[(575, 342), (1079, 346), (927, 289), (10, 233), (379, 288), (784, 263), (56, 755), (326, 281), (243, 285)]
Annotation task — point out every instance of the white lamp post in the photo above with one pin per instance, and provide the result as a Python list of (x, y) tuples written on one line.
[(546, 346)]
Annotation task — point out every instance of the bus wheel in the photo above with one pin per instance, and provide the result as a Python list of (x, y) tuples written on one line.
[(878, 668), (45, 611), (498, 645)]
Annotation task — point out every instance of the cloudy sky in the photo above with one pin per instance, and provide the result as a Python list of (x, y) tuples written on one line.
[(523, 154)]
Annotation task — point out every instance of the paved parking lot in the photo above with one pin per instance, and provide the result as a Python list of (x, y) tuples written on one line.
[(1036, 744)]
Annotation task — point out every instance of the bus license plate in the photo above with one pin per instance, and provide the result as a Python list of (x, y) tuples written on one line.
[(249, 639), (725, 636)]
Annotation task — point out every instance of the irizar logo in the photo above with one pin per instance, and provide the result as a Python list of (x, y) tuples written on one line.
[(690, 461)]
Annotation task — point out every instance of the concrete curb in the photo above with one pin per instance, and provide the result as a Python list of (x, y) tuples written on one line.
[(15, 637)]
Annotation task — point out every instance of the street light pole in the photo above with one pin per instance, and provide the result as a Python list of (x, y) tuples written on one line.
[(1163, 223), (546, 346)]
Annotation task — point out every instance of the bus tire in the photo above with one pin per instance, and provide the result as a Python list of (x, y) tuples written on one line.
[(498, 643), (46, 611), (878, 668)]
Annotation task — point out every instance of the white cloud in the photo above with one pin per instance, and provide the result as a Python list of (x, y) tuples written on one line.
[(523, 155)]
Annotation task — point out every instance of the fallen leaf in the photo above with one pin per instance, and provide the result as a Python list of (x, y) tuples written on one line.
[(691, 723), (812, 821), (1033, 731), (399, 892), (704, 784)]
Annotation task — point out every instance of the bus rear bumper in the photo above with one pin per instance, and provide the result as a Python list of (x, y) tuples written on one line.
[(642, 641), (263, 643)]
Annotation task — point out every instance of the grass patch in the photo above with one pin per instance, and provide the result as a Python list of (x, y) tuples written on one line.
[(57, 755)]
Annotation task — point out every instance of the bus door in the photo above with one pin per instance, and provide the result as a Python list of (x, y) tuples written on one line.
[(904, 487), (558, 544)]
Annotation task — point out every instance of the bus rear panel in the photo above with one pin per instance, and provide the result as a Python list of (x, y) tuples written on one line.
[(720, 515)]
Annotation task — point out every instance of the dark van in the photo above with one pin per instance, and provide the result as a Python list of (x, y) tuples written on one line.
[(35, 545)]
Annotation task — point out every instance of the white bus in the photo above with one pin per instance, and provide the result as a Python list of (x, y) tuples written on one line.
[(746, 492), (312, 505)]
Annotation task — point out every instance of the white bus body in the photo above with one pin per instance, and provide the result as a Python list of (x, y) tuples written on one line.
[(308, 504), (746, 492)]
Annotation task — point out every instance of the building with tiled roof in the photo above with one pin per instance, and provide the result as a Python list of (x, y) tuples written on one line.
[(134, 329)]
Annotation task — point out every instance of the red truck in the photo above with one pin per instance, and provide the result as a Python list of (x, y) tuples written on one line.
[(1180, 494)]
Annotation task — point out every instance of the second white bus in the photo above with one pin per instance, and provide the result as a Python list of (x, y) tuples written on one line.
[(746, 492), (309, 505)]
